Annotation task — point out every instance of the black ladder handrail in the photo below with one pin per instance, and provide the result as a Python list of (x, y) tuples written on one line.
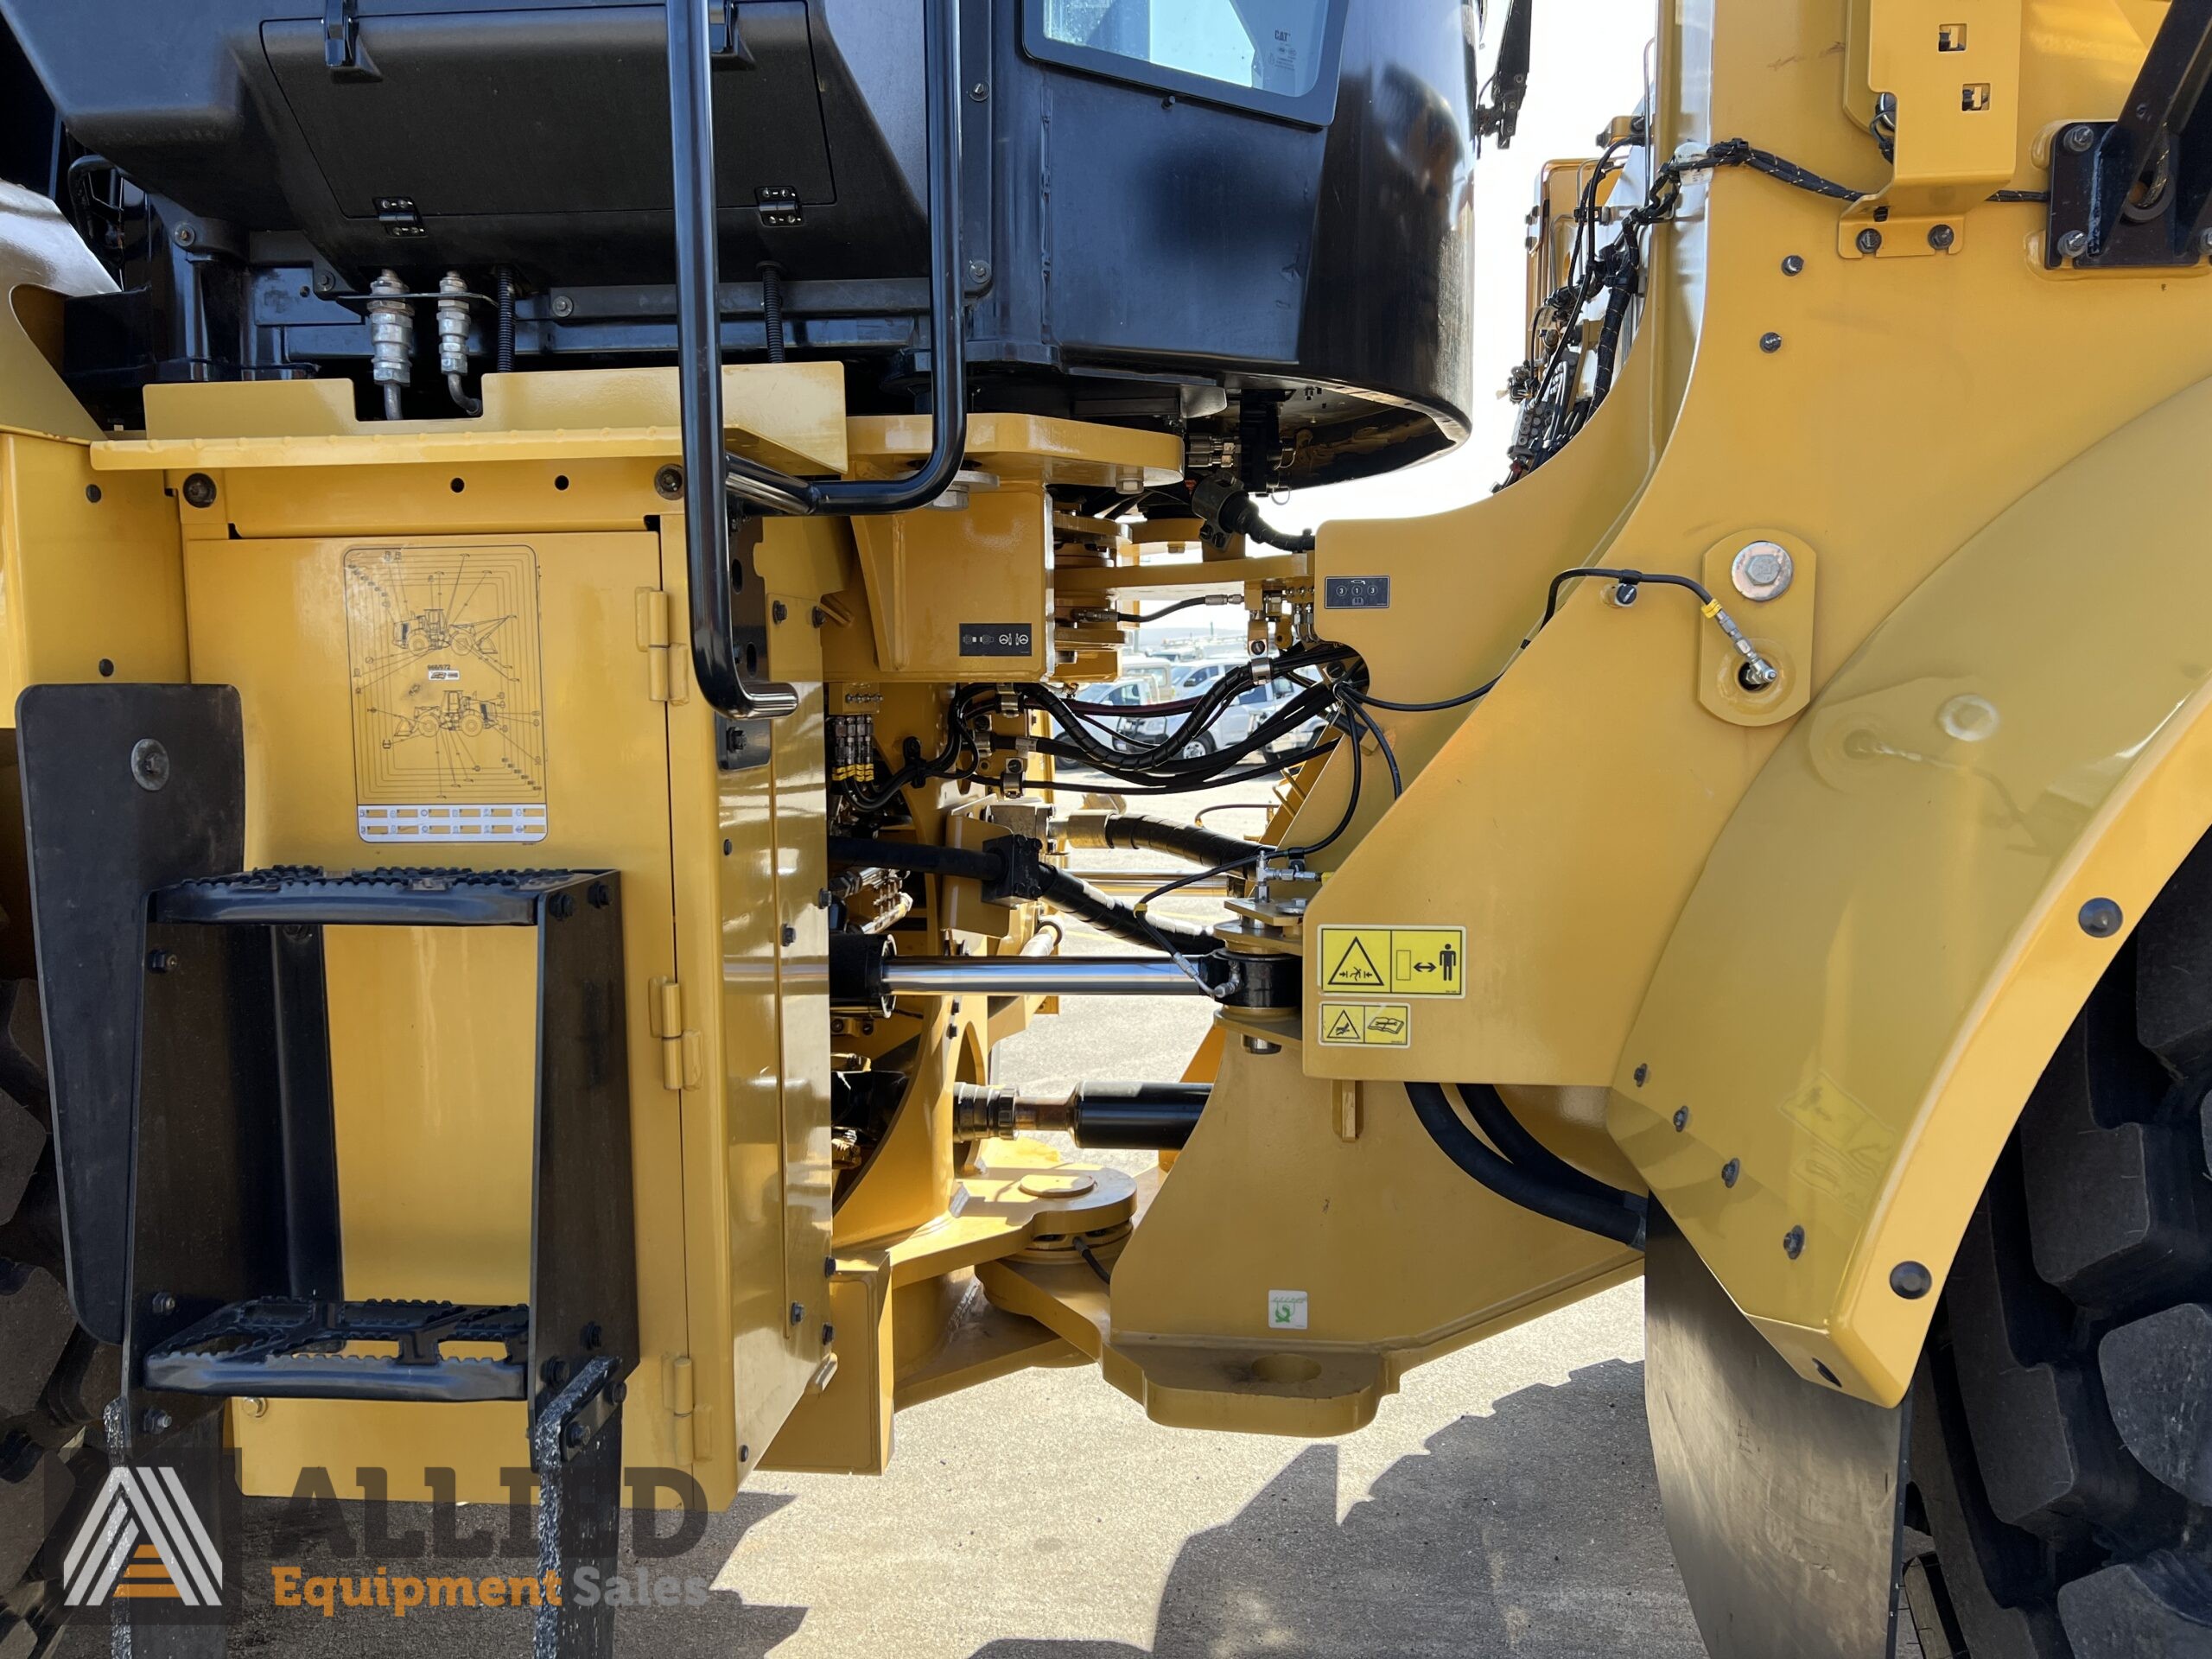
[(708, 488)]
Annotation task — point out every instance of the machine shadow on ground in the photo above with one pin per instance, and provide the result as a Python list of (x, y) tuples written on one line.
[(1486, 1542), (1474, 1546)]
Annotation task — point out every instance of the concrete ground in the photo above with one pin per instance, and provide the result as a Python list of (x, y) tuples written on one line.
[(1503, 1502)]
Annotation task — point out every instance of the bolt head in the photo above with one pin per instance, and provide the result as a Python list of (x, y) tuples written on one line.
[(1761, 570), (563, 306), (185, 236), (1911, 1281), (798, 1313), (1731, 1171), (779, 611), (979, 271), (1642, 1071), (1941, 237), (668, 483), (2079, 138), (574, 1433), (149, 765), (199, 491), (1770, 343), (981, 91), (1793, 265), (1262, 1046), (157, 1421), (1681, 1119), (2204, 238), (164, 1302), (2100, 919), (2074, 244), (1793, 1242), (1870, 240)]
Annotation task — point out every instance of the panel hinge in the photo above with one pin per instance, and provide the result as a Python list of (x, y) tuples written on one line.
[(679, 1048), (657, 637), (683, 1403), (342, 52)]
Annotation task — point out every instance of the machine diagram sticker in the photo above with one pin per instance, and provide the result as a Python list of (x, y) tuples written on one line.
[(1286, 1310), (1367, 1025), (442, 652), (1395, 960)]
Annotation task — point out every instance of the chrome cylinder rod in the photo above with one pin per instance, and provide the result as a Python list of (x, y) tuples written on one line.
[(1037, 976)]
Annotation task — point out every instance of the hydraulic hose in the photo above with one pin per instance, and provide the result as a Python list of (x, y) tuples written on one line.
[(1057, 888), (1525, 1187), (1135, 830), (1506, 1133), (1222, 502), (1079, 898)]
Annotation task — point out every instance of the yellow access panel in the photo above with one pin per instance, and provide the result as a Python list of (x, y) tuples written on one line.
[(479, 702)]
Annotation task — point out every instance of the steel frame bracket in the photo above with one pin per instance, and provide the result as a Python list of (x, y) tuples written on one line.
[(1942, 97)]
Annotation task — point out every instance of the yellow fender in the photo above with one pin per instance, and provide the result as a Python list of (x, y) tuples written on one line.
[(1890, 937)]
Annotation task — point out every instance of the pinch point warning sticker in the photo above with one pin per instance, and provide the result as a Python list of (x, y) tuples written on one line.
[(1366, 1025), (1395, 960)]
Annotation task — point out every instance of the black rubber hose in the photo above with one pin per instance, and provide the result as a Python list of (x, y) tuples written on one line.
[(503, 291), (967, 861), (1523, 1188), (1136, 830), (1064, 891), (1112, 916), (1508, 1134)]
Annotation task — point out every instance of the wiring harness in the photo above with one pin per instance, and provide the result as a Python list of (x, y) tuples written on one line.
[(1557, 393)]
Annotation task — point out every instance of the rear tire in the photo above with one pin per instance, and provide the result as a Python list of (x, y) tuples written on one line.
[(2061, 1433), (55, 1379)]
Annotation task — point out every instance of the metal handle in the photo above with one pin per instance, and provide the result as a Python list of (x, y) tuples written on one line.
[(711, 475)]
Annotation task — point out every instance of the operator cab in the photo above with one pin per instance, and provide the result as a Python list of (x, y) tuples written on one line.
[(1247, 222)]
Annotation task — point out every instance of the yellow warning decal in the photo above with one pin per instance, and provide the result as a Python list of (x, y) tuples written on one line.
[(1400, 961), (1367, 1025)]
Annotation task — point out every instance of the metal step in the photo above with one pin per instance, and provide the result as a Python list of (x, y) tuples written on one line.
[(297, 894), (286, 1348)]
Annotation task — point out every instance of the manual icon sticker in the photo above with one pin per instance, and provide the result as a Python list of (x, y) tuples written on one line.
[(1366, 1025)]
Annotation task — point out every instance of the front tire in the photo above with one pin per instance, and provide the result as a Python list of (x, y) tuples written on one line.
[(2062, 1434), (55, 1378)]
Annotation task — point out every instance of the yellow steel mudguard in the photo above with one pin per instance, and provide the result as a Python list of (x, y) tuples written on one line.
[(1915, 897)]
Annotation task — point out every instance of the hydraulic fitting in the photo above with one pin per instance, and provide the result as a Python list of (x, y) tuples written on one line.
[(1757, 673), (391, 339)]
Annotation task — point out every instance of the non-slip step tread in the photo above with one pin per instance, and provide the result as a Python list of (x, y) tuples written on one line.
[(401, 897), (293, 1349)]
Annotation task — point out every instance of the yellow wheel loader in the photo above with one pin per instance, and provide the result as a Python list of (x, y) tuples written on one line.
[(549, 552)]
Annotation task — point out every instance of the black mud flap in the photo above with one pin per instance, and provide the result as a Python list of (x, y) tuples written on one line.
[(126, 788), (1784, 1499)]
